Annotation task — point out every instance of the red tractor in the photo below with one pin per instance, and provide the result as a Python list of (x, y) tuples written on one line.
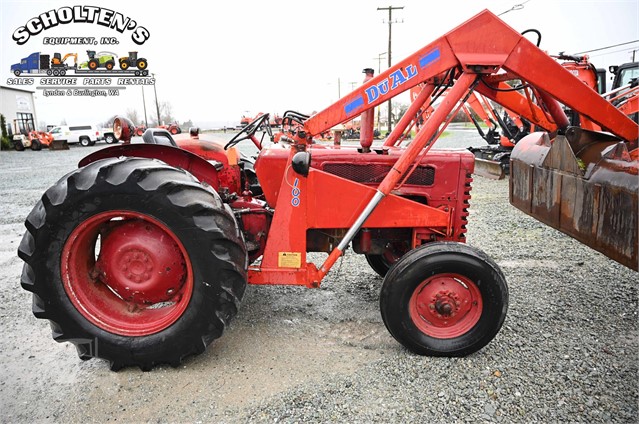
[(142, 255), (139, 130), (173, 128)]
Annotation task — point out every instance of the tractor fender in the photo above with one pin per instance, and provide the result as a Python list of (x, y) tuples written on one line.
[(201, 169)]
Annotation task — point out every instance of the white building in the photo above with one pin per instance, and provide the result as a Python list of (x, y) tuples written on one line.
[(16, 104)]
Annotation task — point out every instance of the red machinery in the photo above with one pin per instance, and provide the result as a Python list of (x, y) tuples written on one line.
[(275, 120), (173, 128), (142, 255), (139, 130), (504, 131)]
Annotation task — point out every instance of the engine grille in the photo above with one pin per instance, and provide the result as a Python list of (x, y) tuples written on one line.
[(375, 173)]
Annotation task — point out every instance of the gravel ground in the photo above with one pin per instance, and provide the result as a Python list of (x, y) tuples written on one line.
[(567, 351)]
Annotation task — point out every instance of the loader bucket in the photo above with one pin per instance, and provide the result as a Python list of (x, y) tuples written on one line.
[(489, 169), (59, 145), (583, 184)]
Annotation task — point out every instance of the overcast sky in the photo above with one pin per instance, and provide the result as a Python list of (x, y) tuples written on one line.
[(215, 63)]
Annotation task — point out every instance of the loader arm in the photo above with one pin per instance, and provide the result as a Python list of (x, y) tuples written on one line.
[(466, 48), (480, 47)]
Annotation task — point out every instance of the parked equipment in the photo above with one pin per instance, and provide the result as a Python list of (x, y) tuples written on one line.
[(493, 160), (173, 128), (504, 131), (24, 137), (275, 120), (104, 60), (625, 89), (132, 60), (142, 255), (58, 62)]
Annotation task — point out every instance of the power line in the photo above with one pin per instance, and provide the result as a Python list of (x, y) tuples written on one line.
[(609, 47), (515, 7), (615, 51)]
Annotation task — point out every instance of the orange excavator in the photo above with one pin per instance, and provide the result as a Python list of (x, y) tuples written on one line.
[(59, 62), (59, 67), (625, 89)]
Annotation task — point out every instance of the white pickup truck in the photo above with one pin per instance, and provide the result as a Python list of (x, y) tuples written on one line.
[(107, 135), (86, 135)]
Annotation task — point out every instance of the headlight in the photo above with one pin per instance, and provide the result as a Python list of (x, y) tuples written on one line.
[(123, 129)]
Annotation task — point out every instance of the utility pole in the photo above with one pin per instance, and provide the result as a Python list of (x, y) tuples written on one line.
[(379, 71), (390, 31), (157, 105), (146, 123)]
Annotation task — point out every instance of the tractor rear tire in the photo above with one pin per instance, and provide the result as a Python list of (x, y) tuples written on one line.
[(141, 64), (382, 263), (379, 264), (134, 261), (444, 299), (18, 146)]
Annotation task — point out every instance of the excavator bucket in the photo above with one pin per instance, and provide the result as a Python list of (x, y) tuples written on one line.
[(583, 184)]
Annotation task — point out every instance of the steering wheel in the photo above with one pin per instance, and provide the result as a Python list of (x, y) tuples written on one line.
[(249, 130)]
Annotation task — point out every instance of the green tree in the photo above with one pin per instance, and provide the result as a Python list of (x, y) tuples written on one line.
[(5, 144), (186, 125), (132, 114)]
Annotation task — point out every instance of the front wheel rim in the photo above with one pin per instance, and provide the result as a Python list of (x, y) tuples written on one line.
[(127, 273), (446, 306)]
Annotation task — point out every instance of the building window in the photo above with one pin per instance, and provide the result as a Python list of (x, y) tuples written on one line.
[(25, 122)]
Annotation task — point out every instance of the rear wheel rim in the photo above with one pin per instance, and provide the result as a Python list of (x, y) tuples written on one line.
[(446, 306), (127, 273)]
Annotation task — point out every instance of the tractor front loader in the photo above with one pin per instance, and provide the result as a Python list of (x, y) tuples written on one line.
[(141, 256)]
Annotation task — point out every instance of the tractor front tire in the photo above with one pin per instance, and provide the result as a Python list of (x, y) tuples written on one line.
[(36, 145), (124, 65), (134, 261), (444, 299), (18, 146)]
